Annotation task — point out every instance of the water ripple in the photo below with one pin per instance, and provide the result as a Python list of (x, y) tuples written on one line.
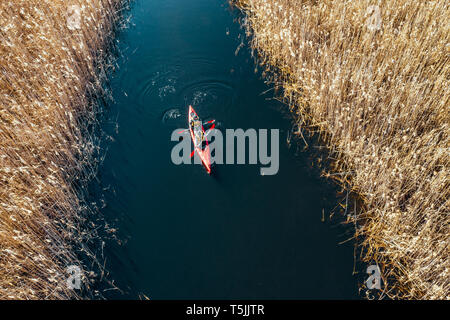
[(190, 79)]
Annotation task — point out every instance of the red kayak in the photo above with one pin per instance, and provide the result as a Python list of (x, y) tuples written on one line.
[(198, 136)]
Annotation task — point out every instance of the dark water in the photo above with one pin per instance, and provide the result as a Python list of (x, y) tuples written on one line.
[(251, 236)]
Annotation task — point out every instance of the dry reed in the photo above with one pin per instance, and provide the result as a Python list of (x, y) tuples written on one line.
[(52, 67), (376, 87)]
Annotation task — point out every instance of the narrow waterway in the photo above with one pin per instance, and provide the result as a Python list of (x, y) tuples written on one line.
[(188, 235)]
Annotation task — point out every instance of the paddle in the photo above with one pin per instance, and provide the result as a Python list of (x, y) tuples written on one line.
[(207, 122)]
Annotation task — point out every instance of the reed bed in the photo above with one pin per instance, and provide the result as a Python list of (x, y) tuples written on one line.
[(372, 78), (53, 63)]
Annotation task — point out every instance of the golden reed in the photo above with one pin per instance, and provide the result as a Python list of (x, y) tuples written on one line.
[(373, 78), (52, 65)]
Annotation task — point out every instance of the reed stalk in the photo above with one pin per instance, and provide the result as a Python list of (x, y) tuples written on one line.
[(53, 64)]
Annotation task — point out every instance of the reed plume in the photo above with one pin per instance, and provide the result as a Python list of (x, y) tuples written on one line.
[(53, 64)]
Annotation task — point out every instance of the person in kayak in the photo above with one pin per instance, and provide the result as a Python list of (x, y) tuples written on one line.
[(196, 126), (198, 130)]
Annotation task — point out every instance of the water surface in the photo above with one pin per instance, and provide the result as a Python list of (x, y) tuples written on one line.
[(252, 236)]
